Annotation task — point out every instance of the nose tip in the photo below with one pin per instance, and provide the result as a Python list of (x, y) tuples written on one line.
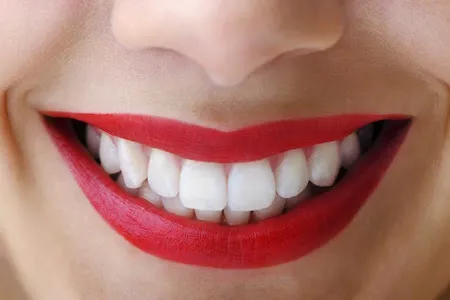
[(229, 39)]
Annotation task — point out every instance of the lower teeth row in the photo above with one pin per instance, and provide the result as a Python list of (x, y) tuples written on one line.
[(226, 216)]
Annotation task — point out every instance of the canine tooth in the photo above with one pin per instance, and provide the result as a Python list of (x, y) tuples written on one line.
[(203, 186), (147, 193), (236, 217), (350, 150), (251, 186), (93, 141), (133, 163), (121, 183), (324, 164), (175, 206), (210, 216), (275, 209), (292, 174), (109, 156), (163, 173)]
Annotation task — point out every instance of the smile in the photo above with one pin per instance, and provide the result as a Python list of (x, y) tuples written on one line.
[(251, 198)]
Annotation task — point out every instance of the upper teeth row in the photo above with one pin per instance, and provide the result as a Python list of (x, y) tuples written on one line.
[(206, 186)]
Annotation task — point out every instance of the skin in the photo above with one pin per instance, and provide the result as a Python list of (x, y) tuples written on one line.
[(223, 64)]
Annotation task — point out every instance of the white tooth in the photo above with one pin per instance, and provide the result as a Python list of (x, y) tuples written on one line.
[(292, 202), (210, 216), (251, 186), (292, 174), (133, 162), (174, 206), (147, 193), (324, 164), (203, 186), (121, 183), (350, 150), (236, 217), (275, 209), (163, 173), (93, 141), (109, 157)]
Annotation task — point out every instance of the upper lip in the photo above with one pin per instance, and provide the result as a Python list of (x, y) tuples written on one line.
[(207, 144)]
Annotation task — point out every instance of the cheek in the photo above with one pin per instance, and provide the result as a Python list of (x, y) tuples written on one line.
[(421, 30), (29, 30)]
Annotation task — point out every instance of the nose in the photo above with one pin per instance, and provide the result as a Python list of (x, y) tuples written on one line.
[(229, 39)]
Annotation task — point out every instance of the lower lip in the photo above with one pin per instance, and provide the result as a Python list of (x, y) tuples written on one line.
[(271, 242)]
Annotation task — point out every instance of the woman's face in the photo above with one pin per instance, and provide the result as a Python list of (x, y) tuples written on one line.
[(225, 65)]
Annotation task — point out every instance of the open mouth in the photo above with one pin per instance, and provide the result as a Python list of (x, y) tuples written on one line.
[(225, 193), (255, 197)]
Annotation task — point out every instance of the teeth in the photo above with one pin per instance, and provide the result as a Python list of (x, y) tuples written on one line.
[(163, 173), (121, 183), (324, 164), (147, 193), (250, 191), (174, 206), (350, 150), (93, 141), (109, 157), (210, 216), (275, 209), (203, 186), (236, 217), (251, 186), (133, 163), (292, 174), (292, 202)]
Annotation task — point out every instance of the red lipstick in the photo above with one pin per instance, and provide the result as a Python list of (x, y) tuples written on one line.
[(270, 242), (207, 144)]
